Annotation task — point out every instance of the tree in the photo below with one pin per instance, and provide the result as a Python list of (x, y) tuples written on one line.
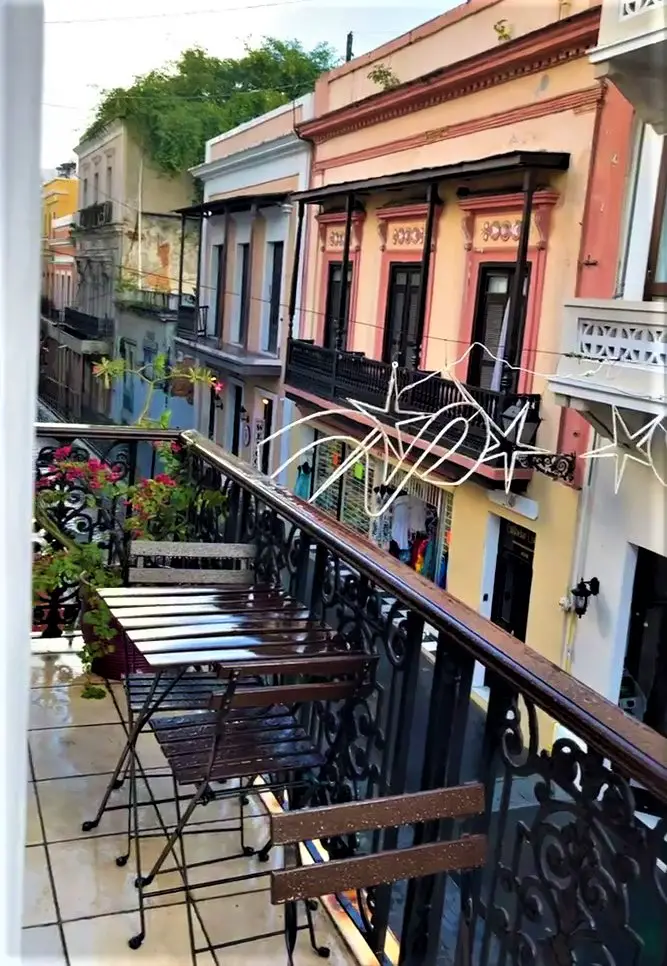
[(174, 110), (67, 169)]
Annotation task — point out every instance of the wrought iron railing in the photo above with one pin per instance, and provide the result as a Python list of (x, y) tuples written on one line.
[(96, 216), (337, 376), (192, 321), (86, 326), (576, 790)]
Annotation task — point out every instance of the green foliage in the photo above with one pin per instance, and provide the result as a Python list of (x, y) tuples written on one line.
[(174, 110), (384, 77)]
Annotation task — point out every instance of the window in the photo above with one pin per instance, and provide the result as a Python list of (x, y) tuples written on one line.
[(96, 188), (275, 263), (491, 327), (109, 187), (84, 203), (219, 256), (401, 332), (240, 329), (334, 279), (656, 276)]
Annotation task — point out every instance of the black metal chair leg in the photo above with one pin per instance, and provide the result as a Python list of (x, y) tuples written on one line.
[(291, 930), (243, 801), (184, 875), (173, 838), (136, 941), (322, 951)]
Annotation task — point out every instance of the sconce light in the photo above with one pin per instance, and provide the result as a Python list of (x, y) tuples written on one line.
[(286, 208), (581, 593)]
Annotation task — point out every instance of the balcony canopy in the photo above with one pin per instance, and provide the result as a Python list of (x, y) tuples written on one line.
[(234, 203), (516, 162)]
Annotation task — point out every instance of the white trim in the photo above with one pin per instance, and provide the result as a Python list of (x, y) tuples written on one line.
[(282, 147), (609, 52), (641, 224), (21, 61)]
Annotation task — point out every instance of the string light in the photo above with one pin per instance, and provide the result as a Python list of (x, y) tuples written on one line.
[(396, 465)]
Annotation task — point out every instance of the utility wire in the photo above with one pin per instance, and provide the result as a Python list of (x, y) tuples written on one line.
[(181, 13)]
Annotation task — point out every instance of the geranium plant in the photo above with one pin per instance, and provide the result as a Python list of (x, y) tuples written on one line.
[(163, 507)]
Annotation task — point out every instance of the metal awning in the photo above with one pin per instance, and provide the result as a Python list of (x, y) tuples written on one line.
[(235, 203), (498, 164)]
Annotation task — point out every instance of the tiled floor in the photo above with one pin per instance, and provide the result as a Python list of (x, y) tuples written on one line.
[(79, 906)]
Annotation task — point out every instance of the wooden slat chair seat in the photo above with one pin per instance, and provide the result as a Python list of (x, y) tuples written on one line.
[(308, 882), (249, 731), (159, 551)]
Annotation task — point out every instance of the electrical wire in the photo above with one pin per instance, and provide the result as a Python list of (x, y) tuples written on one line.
[(181, 13)]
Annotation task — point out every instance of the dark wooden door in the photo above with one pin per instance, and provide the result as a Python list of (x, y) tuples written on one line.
[(334, 279), (513, 580), (274, 296), (490, 327), (219, 288), (401, 323)]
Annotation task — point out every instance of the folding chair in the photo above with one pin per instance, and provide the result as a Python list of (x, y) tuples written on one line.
[(308, 882), (147, 692), (250, 732)]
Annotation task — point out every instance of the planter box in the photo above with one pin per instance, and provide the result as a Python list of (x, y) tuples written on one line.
[(124, 659)]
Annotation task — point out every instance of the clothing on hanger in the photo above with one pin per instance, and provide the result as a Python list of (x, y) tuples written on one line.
[(303, 481)]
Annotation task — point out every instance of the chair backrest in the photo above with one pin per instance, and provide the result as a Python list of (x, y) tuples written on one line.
[(364, 871), (154, 550)]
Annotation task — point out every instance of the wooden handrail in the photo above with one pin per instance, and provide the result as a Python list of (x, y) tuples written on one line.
[(639, 752)]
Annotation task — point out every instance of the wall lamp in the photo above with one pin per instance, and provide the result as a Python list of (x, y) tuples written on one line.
[(581, 593)]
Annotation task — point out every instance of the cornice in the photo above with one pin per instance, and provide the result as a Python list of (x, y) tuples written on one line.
[(535, 52), (508, 202)]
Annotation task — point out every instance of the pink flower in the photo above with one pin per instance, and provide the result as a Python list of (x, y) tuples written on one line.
[(95, 485), (218, 387), (62, 453), (165, 479), (176, 447)]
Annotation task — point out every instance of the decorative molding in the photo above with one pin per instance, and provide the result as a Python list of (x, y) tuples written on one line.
[(584, 100), (497, 230), (396, 212), (328, 218), (507, 230), (468, 228), (406, 235), (489, 204), (382, 232), (535, 52)]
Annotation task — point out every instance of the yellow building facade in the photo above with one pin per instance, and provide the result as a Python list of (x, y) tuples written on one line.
[(468, 130)]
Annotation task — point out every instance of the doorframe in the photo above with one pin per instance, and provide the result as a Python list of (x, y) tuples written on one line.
[(334, 258), (489, 564), (394, 269), (485, 269)]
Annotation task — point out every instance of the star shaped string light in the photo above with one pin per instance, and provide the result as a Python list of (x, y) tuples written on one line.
[(635, 447)]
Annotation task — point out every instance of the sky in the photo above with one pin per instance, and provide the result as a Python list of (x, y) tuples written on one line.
[(91, 46)]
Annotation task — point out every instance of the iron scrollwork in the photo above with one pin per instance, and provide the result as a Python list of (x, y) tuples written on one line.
[(572, 879), (557, 466)]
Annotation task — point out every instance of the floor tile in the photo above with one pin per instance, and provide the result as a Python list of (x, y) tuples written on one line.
[(233, 918), (68, 802), (103, 942), (33, 824), (63, 752), (44, 944), (53, 670), (38, 907), (88, 881), (59, 707)]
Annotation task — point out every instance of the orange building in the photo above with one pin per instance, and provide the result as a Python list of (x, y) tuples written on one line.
[(446, 222)]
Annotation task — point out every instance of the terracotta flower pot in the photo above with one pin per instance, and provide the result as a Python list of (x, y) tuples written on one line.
[(122, 658)]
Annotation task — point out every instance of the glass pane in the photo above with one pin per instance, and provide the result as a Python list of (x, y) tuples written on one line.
[(498, 284), (401, 278), (415, 278)]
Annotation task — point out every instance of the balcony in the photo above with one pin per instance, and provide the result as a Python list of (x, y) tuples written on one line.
[(577, 827), (195, 339), (614, 354), (632, 52), (158, 304), (339, 376), (96, 216)]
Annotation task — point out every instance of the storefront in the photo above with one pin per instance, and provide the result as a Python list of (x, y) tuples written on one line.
[(414, 527)]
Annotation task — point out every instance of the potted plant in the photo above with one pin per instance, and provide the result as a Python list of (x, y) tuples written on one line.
[(164, 507)]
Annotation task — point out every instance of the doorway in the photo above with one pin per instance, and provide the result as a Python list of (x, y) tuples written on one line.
[(513, 579), (644, 687), (331, 321), (276, 263), (401, 335)]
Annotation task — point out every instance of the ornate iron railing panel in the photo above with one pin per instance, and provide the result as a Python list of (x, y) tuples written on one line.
[(576, 819)]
